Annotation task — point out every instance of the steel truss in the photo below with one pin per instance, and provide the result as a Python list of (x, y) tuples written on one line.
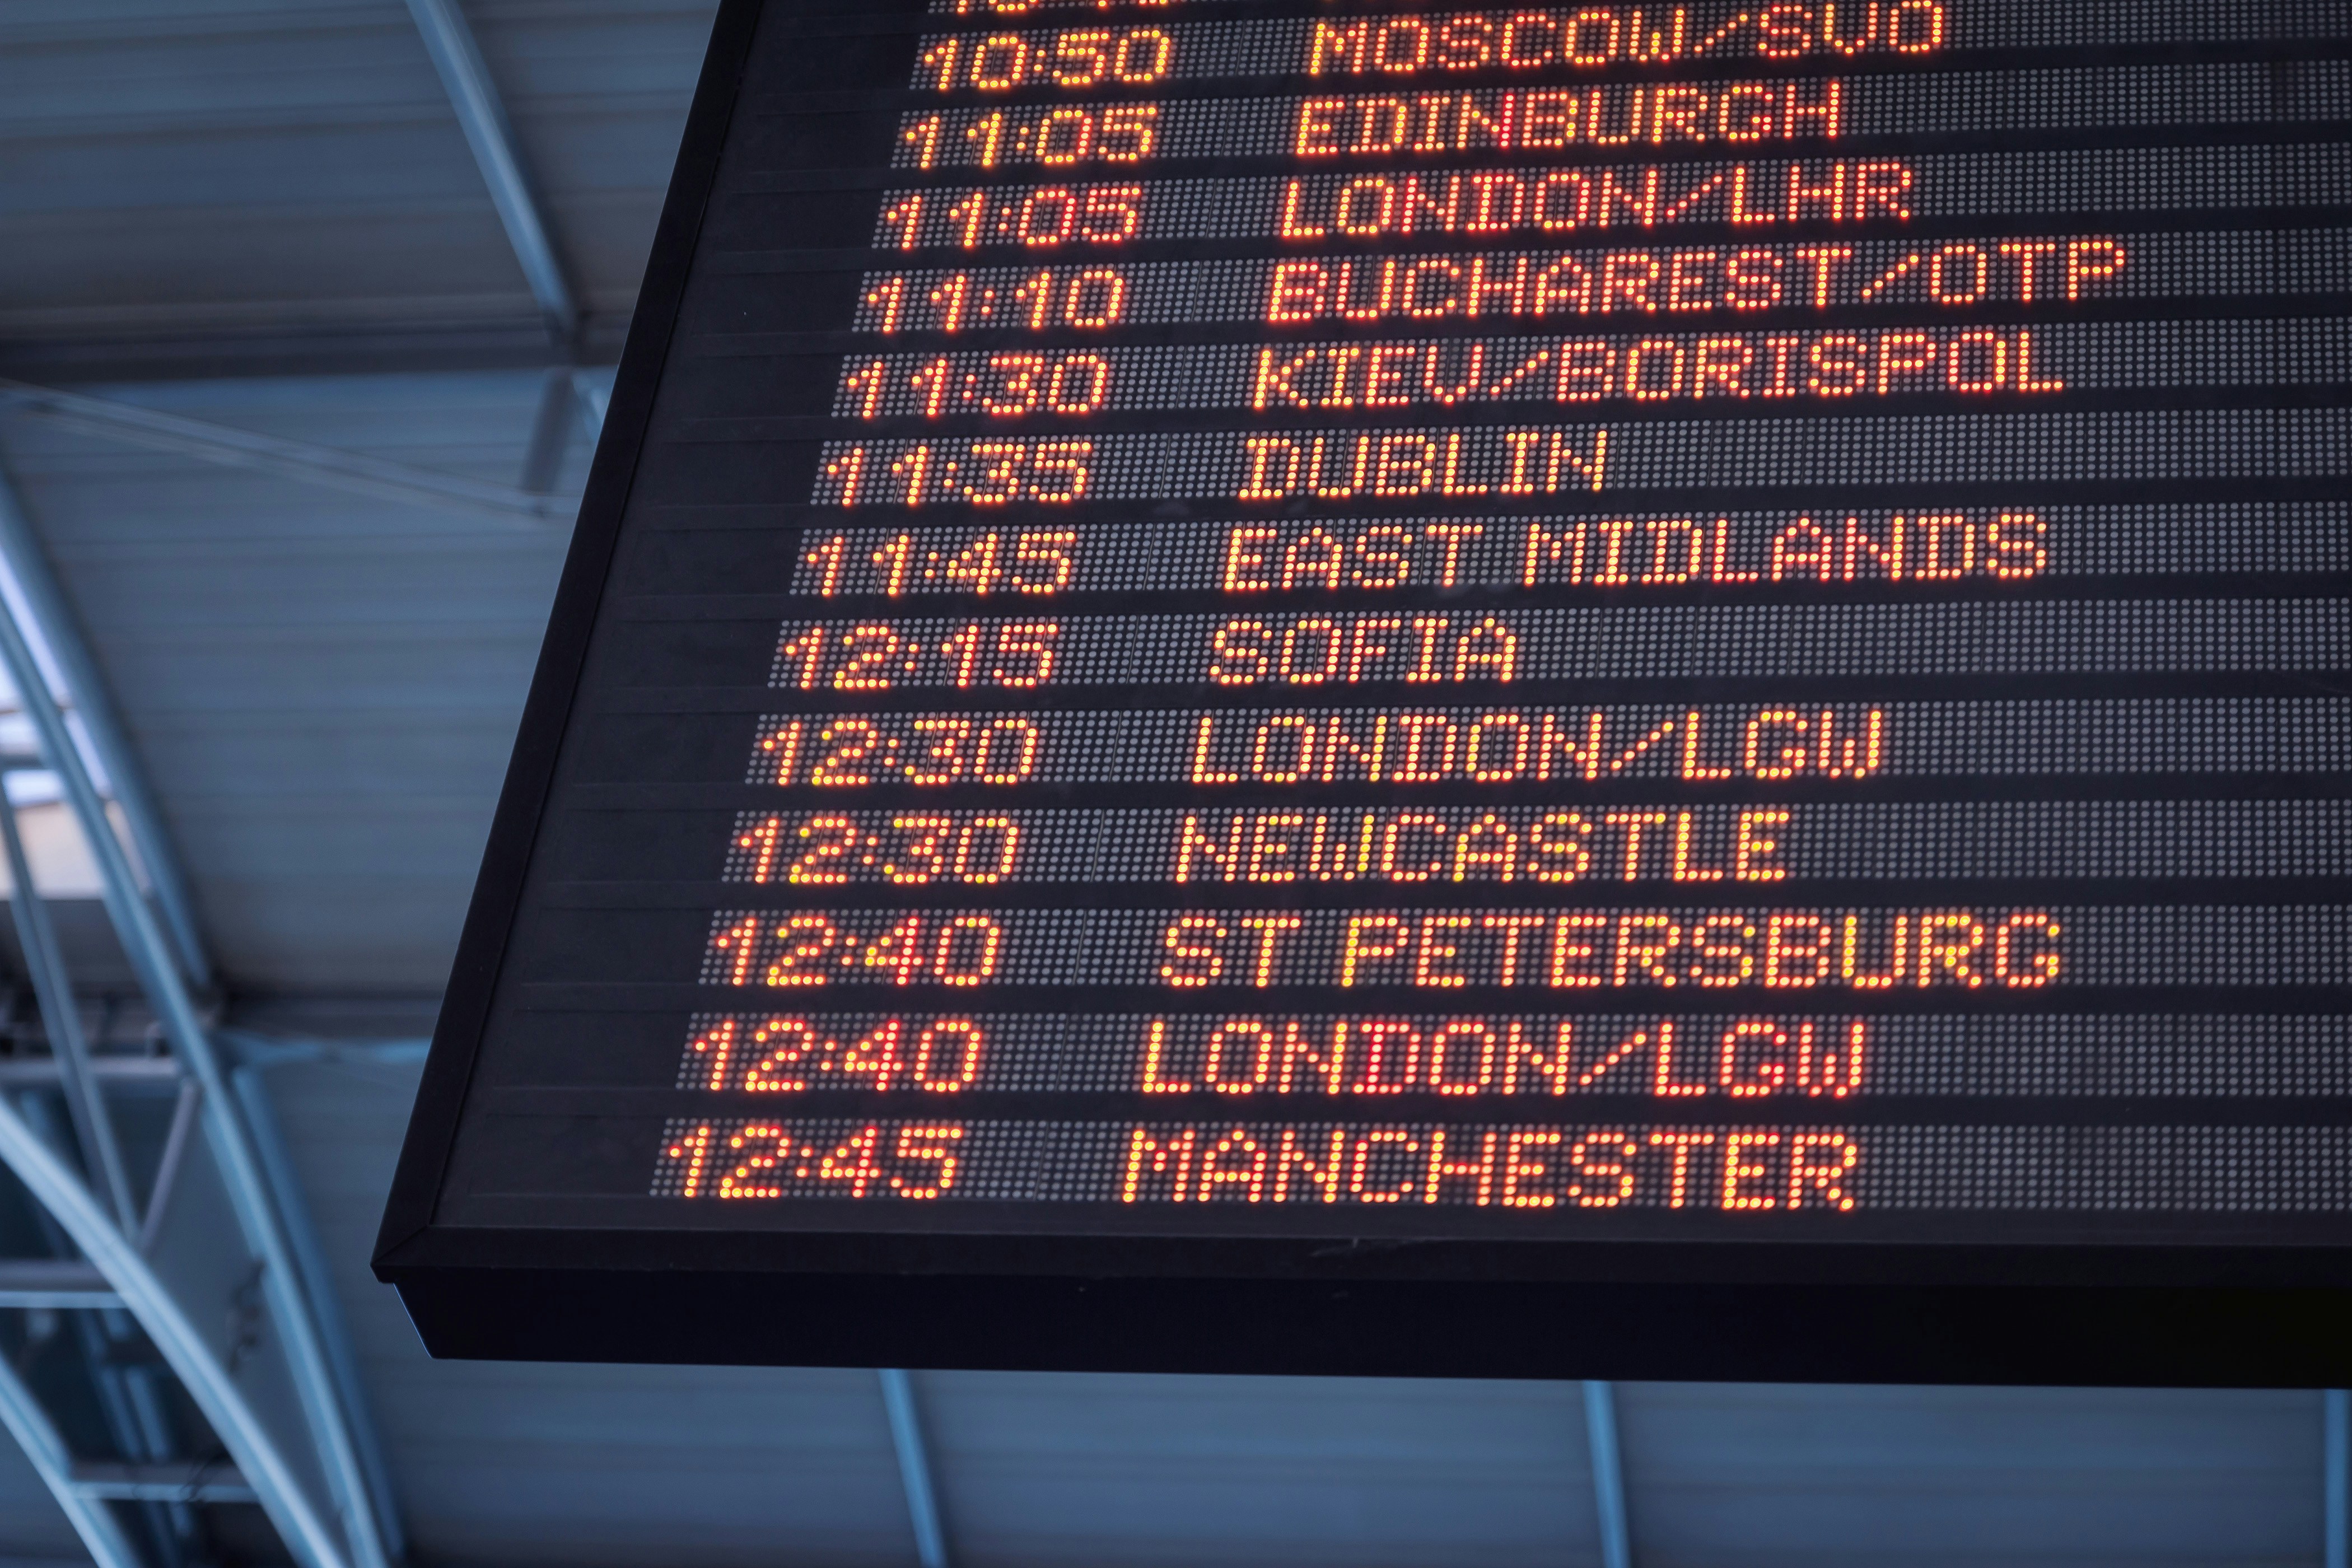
[(180, 1316), (312, 1458), (269, 1412)]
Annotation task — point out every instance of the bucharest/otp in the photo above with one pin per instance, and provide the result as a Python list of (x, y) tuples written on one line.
[(1684, 280), (1735, 1169)]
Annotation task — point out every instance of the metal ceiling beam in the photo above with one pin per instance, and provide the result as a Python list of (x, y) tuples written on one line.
[(255, 1050), (59, 631), (483, 117), (307, 344), (352, 471), (915, 1468), (169, 1481), (144, 1071), (54, 1282), (1608, 1473), (331, 1423)]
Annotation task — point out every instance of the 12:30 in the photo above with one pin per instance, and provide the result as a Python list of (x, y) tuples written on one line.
[(914, 851)]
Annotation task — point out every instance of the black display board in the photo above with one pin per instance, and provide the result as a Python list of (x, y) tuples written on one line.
[(1345, 686)]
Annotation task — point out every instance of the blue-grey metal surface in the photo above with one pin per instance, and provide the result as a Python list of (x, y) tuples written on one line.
[(54, 1282), (2021, 1478)]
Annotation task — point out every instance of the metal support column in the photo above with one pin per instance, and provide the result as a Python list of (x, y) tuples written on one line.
[(61, 1021), (240, 1168), (27, 565), (1608, 1473), (2335, 1474), (591, 398), (551, 432), (278, 1169), (128, 1395), (914, 1468), (483, 118)]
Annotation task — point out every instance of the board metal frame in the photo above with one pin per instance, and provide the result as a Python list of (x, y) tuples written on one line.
[(1751, 1311)]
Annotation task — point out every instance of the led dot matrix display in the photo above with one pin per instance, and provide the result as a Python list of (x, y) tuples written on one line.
[(1424, 648)]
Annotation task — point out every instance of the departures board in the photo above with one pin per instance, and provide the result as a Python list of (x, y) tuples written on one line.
[(1325, 685)]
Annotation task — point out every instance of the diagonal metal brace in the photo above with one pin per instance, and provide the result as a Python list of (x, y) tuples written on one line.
[(353, 471), (482, 116)]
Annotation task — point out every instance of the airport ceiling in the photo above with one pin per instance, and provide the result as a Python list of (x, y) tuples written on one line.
[(262, 215)]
